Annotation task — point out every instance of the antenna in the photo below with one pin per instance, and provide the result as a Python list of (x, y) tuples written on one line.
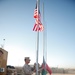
[(2, 45)]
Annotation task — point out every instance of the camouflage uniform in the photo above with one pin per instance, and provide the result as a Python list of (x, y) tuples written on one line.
[(27, 70)]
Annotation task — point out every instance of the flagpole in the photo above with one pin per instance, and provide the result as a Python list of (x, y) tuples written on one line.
[(47, 68), (43, 30), (43, 36), (44, 39), (37, 51)]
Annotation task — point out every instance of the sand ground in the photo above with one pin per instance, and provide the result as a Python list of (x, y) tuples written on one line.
[(62, 74), (58, 74)]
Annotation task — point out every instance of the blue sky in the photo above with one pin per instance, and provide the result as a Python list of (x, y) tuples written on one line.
[(16, 23)]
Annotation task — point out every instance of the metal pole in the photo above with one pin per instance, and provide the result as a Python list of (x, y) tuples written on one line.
[(37, 40), (3, 43), (37, 53), (44, 40)]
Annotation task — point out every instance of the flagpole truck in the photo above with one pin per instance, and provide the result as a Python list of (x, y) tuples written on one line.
[(3, 61)]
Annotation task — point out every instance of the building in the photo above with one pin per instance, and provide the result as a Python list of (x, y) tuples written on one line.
[(3, 61)]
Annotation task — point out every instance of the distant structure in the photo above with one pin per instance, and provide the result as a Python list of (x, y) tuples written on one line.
[(3, 61)]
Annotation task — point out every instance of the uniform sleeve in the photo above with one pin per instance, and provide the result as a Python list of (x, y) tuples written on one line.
[(26, 70)]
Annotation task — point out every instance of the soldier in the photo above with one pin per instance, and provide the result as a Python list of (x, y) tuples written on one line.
[(27, 68)]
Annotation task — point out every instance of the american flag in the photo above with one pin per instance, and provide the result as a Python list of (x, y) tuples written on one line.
[(35, 12), (38, 25)]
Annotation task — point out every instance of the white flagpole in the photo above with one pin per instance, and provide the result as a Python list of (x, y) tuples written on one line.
[(44, 39), (37, 40), (43, 30), (37, 53)]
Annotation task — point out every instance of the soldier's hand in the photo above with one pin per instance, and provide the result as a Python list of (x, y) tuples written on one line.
[(34, 70)]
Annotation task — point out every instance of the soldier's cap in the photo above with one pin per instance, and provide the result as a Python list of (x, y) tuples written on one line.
[(27, 58)]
